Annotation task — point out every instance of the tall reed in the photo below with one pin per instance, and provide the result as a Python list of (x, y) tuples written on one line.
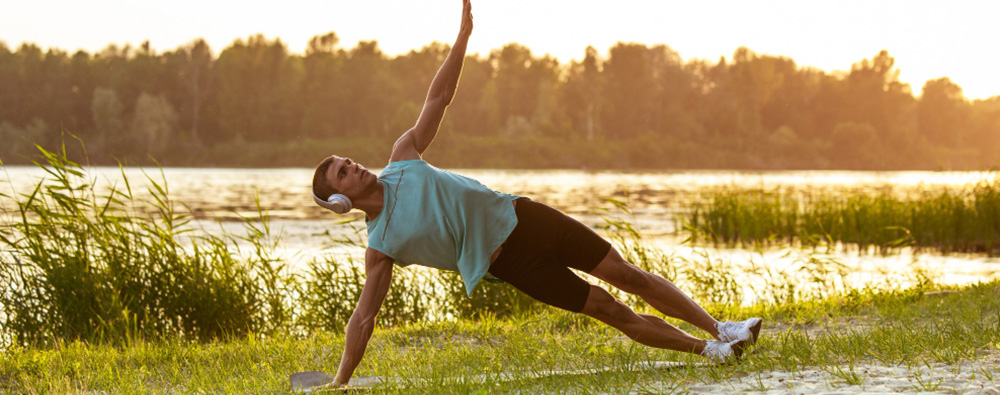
[(966, 221), (81, 262)]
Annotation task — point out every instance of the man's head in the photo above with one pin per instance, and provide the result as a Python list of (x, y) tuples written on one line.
[(338, 175)]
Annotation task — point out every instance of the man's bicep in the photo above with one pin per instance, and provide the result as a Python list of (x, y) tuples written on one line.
[(378, 277)]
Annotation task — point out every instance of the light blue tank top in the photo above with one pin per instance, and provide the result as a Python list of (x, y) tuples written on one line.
[(440, 219)]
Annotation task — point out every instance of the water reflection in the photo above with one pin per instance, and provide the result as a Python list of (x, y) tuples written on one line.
[(217, 197), (227, 193)]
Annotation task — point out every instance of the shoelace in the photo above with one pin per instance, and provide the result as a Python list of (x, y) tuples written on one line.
[(729, 331)]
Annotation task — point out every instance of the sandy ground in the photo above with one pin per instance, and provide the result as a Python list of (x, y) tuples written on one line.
[(969, 377), (980, 376)]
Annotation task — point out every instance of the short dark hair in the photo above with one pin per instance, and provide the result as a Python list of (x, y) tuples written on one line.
[(322, 188)]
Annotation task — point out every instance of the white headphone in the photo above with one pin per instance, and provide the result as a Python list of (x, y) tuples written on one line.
[(337, 203)]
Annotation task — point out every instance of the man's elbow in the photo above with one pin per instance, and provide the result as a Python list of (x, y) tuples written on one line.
[(448, 96), (437, 103), (364, 322)]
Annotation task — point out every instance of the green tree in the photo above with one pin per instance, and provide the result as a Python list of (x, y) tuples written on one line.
[(412, 73), (154, 124), (580, 98), (19, 143), (9, 80), (856, 146), (322, 100), (108, 111), (25, 96), (258, 91), (718, 106), (368, 90), (469, 112), (943, 113), (81, 94), (191, 72), (985, 136), (674, 90), (523, 89), (629, 91), (874, 95)]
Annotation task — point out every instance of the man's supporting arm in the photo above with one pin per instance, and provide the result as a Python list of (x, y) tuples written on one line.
[(378, 276), (415, 141)]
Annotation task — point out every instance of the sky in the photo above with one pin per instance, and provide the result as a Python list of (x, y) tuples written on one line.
[(929, 39)]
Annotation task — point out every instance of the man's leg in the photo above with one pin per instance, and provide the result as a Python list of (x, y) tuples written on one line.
[(663, 295), (647, 329)]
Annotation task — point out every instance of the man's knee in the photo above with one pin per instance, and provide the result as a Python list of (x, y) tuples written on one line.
[(605, 307), (623, 275)]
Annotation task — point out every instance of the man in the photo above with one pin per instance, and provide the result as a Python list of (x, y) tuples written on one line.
[(418, 214)]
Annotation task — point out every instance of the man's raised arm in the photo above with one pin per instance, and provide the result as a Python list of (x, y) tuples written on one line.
[(415, 141)]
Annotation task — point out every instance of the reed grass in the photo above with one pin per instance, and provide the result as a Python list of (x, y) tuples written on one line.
[(81, 263), (947, 221)]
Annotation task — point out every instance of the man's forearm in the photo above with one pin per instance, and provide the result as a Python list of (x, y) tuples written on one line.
[(356, 337), (446, 80)]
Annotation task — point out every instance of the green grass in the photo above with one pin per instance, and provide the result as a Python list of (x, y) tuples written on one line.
[(891, 328), (948, 221)]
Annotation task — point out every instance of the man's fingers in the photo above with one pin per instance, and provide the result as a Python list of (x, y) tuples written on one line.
[(466, 15), (467, 8)]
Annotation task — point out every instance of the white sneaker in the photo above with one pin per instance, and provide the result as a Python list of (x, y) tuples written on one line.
[(723, 352), (742, 330)]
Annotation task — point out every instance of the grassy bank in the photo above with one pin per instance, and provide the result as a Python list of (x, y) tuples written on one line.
[(911, 328), (947, 221)]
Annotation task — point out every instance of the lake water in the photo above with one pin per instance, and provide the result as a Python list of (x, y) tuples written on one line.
[(218, 197)]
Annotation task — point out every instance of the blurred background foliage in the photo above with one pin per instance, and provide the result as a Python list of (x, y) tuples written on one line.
[(256, 104)]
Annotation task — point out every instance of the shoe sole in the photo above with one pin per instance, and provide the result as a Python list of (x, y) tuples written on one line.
[(740, 347), (738, 350), (755, 331)]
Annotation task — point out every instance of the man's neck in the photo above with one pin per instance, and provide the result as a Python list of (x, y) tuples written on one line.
[(372, 202)]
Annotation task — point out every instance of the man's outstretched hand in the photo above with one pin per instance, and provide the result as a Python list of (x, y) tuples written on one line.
[(466, 28)]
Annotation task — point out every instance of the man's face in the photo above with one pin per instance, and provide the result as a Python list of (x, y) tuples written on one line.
[(350, 178)]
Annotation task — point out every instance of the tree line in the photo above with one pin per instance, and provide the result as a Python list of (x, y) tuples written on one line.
[(637, 106)]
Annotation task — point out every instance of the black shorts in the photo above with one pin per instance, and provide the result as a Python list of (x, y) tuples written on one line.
[(537, 256)]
